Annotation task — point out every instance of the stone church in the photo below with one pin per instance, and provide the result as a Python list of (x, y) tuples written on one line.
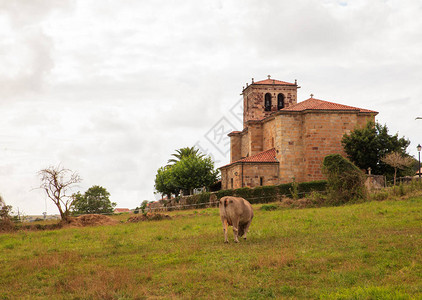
[(282, 139)]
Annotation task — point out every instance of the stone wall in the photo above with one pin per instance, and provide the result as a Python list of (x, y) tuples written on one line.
[(255, 138), (235, 146), (304, 139), (253, 100), (251, 174), (269, 134), (244, 151), (289, 146), (375, 182), (239, 145), (231, 177), (323, 133)]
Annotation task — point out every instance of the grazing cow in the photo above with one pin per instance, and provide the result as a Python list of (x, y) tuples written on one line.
[(236, 212)]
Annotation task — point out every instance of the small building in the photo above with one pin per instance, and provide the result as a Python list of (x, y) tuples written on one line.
[(282, 139)]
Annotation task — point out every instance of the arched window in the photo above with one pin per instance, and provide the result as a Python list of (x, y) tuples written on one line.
[(280, 101), (267, 102)]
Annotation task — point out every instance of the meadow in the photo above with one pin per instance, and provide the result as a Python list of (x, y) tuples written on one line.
[(370, 250)]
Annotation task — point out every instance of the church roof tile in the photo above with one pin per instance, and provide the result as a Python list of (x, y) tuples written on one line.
[(273, 81), (268, 156), (316, 104)]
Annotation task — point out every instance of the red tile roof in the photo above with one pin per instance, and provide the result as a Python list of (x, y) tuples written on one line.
[(268, 156), (316, 104), (273, 81)]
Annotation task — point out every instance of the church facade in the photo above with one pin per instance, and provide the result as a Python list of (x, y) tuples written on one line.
[(284, 140)]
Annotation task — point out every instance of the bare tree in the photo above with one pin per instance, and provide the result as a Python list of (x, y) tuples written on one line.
[(4, 209), (57, 181), (397, 161)]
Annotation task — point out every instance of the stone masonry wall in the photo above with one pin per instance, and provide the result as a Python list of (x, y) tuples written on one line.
[(269, 133), (323, 133), (229, 173), (252, 173), (245, 145), (303, 140), (253, 100), (363, 120), (289, 146), (235, 147), (255, 138)]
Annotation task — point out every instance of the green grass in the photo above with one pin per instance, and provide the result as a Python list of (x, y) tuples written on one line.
[(364, 251)]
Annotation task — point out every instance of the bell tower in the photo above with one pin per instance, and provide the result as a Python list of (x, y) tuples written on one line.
[(262, 98)]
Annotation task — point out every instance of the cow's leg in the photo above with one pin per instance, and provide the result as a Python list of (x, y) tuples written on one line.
[(241, 230), (225, 229), (246, 229), (236, 230)]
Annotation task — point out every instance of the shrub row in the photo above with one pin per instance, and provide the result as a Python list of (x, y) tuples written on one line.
[(271, 193), (262, 194)]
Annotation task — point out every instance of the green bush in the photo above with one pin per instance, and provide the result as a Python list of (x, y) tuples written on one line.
[(307, 187), (345, 181), (284, 189), (271, 193), (222, 193), (268, 207)]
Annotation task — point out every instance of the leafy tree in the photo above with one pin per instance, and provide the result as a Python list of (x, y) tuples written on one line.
[(143, 207), (164, 182), (184, 153), (57, 181), (95, 200), (367, 146), (194, 172), (397, 161), (189, 171), (345, 182)]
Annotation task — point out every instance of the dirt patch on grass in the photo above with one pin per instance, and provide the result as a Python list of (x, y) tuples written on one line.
[(90, 220), (148, 217)]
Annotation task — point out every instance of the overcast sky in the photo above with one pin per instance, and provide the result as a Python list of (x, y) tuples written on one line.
[(111, 88)]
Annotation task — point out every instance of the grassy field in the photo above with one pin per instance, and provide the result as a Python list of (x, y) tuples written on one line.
[(364, 251)]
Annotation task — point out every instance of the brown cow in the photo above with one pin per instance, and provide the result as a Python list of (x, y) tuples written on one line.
[(236, 212)]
